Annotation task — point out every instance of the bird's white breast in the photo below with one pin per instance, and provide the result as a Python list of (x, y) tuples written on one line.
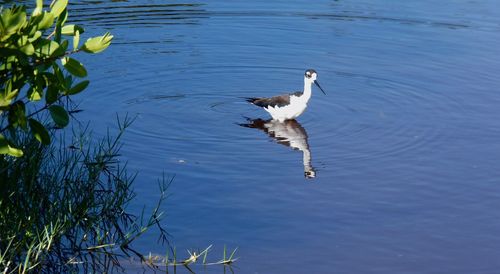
[(297, 106)]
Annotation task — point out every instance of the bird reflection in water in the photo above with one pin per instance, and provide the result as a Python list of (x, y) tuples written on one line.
[(289, 133)]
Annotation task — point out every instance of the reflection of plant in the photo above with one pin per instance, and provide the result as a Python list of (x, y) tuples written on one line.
[(63, 208), (35, 65), (195, 259)]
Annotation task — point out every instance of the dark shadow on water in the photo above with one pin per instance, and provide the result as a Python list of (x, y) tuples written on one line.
[(289, 133)]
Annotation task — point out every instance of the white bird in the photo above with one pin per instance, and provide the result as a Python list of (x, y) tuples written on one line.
[(289, 106)]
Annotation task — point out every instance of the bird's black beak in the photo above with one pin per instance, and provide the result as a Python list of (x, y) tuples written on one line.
[(317, 84)]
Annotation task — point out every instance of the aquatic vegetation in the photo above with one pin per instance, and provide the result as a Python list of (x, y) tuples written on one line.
[(195, 259), (64, 207)]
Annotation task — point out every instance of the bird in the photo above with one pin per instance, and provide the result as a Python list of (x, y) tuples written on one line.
[(288, 106)]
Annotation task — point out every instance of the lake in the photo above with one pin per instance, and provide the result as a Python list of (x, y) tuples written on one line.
[(401, 156)]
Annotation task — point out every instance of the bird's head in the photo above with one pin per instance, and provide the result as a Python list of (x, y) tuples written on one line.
[(310, 77)]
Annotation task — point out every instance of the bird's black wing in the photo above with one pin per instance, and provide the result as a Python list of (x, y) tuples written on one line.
[(280, 100)]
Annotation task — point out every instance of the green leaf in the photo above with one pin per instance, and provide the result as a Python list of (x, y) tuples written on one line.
[(46, 48), (76, 40), (12, 94), (21, 41), (8, 94), (74, 67), (68, 81), (61, 20), (16, 152), (62, 49), (6, 148), (35, 94), (4, 145), (17, 115), (48, 77), (71, 30), (11, 20), (58, 73), (39, 131), (38, 9), (46, 21), (58, 7), (78, 88), (28, 49), (59, 115), (97, 44), (35, 36), (51, 94)]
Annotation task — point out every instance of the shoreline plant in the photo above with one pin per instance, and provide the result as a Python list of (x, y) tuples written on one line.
[(62, 206), (37, 71)]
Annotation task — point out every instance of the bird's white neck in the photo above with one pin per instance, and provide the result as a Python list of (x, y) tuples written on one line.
[(307, 90)]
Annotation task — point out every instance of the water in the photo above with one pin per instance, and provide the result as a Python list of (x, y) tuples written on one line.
[(404, 147)]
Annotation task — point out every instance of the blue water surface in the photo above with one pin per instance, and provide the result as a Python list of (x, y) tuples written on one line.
[(405, 144)]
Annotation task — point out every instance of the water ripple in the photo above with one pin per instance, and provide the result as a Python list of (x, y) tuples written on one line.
[(123, 13), (115, 14)]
